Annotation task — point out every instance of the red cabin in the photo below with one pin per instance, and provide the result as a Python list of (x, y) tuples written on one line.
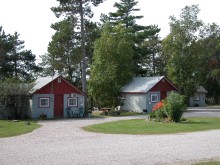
[(53, 96)]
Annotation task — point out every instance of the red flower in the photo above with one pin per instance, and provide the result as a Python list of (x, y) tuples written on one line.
[(157, 106)]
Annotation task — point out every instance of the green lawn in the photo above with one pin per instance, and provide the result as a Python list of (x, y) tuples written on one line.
[(10, 128), (141, 127), (102, 114), (208, 163)]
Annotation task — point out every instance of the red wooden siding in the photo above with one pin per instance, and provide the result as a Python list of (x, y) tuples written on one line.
[(56, 87), (163, 86)]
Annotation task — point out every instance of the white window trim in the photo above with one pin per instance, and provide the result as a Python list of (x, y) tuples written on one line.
[(151, 97), (40, 102), (75, 98)]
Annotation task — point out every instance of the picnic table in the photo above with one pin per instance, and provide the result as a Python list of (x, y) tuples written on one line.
[(106, 110)]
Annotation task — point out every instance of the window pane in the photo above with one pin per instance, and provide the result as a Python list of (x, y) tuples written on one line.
[(196, 97), (44, 102), (154, 98), (72, 101)]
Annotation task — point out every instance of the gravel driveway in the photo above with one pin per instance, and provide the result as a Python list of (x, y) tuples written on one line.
[(64, 142)]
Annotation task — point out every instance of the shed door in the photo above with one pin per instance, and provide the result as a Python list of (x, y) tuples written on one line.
[(58, 106)]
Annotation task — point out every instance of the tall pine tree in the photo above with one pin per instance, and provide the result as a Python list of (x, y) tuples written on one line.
[(15, 61), (141, 35), (79, 10)]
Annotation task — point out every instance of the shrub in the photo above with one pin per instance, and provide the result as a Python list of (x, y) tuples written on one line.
[(170, 109), (174, 106), (158, 113), (43, 116)]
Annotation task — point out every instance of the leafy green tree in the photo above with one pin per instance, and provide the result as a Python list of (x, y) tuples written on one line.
[(182, 51), (111, 68), (210, 67), (145, 38), (211, 47)]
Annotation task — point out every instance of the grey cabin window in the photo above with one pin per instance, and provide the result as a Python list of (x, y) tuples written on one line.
[(196, 97), (72, 102), (44, 102), (154, 98), (123, 97)]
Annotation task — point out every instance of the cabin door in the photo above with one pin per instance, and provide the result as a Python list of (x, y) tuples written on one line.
[(58, 106)]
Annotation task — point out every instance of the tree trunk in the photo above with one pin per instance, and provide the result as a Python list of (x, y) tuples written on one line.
[(84, 87)]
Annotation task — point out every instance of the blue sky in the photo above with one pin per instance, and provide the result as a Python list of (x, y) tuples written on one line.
[(32, 18)]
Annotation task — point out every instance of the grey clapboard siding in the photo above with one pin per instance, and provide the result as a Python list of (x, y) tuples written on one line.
[(36, 111), (200, 102), (80, 102)]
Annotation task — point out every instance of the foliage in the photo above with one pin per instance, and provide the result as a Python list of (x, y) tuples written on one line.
[(10, 128), (14, 60), (64, 54), (141, 127), (111, 68), (191, 54), (43, 116), (14, 95), (174, 106), (182, 51), (80, 12), (211, 56), (158, 113), (170, 109), (146, 43)]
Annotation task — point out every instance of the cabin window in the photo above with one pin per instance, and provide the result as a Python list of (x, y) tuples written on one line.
[(196, 97), (154, 98), (72, 102), (123, 97), (44, 102)]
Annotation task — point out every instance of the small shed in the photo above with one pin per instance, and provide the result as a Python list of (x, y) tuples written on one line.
[(198, 100), (52, 96), (142, 93)]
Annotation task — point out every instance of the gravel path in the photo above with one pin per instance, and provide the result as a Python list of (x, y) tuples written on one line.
[(64, 142)]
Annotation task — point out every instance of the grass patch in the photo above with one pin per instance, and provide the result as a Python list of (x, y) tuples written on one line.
[(114, 114), (141, 127), (208, 163), (10, 128), (130, 114)]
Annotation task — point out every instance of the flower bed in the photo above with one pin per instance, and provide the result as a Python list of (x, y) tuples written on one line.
[(170, 110)]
